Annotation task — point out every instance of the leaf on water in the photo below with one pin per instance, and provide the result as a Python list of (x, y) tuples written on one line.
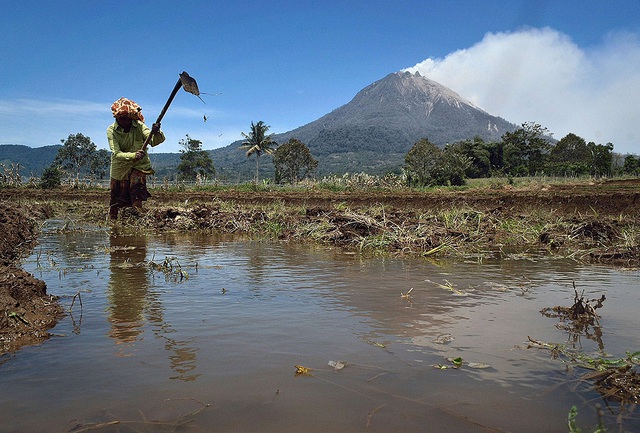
[(457, 362), (440, 366), (302, 370), (337, 365)]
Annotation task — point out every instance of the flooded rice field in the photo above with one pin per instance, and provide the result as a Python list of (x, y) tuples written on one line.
[(199, 333)]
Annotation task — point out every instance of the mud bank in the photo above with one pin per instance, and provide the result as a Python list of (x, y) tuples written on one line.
[(26, 310)]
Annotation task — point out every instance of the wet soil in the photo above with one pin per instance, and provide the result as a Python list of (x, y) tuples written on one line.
[(590, 217), (26, 310)]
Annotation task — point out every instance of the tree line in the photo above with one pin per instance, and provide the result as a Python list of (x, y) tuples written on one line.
[(527, 151)]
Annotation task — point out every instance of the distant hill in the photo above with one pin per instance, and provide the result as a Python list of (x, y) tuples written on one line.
[(32, 160), (376, 129), (372, 133)]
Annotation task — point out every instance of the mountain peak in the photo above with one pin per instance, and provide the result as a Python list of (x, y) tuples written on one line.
[(375, 130), (415, 85)]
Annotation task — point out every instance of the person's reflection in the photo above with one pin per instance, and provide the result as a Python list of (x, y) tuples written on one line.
[(133, 306), (128, 287)]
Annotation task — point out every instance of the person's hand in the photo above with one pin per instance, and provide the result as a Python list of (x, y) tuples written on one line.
[(139, 154), (155, 128)]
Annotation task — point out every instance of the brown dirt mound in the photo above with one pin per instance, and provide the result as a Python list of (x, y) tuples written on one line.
[(26, 311)]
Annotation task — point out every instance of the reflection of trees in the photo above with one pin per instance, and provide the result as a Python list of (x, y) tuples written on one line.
[(258, 262), (76, 246)]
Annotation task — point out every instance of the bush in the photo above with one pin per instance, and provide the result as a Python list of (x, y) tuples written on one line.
[(51, 177)]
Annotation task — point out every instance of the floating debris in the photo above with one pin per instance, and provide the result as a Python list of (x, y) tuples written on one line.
[(302, 370), (407, 295), (374, 343), (615, 379), (443, 339), (620, 384), (478, 365), (582, 311), (450, 287), (337, 365), (459, 362)]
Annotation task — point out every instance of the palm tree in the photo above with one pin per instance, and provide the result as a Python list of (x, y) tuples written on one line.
[(257, 142)]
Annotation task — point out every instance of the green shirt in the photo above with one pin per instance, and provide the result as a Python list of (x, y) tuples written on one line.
[(124, 145)]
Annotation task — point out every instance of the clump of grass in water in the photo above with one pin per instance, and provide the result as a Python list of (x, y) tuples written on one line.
[(171, 268), (573, 414)]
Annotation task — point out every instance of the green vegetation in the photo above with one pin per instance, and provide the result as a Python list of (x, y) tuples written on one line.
[(31, 161), (293, 162), (428, 165), (79, 155), (195, 163), (573, 415), (525, 152), (631, 165), (257, 142), (51, 177)]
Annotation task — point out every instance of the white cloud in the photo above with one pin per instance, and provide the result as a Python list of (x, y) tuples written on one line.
[(540, 75), (61, 107)]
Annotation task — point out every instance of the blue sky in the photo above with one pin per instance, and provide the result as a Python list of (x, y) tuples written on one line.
[(572, 66)]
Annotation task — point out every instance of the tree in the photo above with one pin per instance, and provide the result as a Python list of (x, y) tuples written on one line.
[(452, 167), (601, 158), (496, 157), (421, 163), (293, 162), (194, 161), (570, 156), (51, 177), (100, 163), (257, 142), (526, 150), (631, 165), (76, 154), (479, 156)]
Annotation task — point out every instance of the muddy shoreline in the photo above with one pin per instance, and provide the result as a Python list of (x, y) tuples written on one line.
[(597, 222), (26, 310)]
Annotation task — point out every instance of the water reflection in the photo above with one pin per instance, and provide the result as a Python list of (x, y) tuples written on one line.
[(182, 358), (286, 305), (133, 305), (128, 288)]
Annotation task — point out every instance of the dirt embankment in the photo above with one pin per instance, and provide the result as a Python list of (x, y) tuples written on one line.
[(26, 311)]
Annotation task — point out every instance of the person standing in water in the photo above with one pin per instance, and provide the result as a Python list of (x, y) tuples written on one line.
[(130, 165)]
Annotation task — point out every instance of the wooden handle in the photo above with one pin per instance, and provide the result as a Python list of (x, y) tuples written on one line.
[(162, 113)]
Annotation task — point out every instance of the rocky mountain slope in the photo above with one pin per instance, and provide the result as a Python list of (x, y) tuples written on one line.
[(374, 131)]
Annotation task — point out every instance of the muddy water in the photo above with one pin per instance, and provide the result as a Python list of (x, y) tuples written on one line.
[(210, 342)]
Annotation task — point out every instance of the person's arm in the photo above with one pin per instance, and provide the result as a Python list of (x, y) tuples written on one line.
[(157, 137)]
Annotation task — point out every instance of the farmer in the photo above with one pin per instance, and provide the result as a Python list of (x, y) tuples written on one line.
[(130, 164)]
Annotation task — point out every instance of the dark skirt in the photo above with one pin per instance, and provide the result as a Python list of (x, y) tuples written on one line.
[(125, 192)]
